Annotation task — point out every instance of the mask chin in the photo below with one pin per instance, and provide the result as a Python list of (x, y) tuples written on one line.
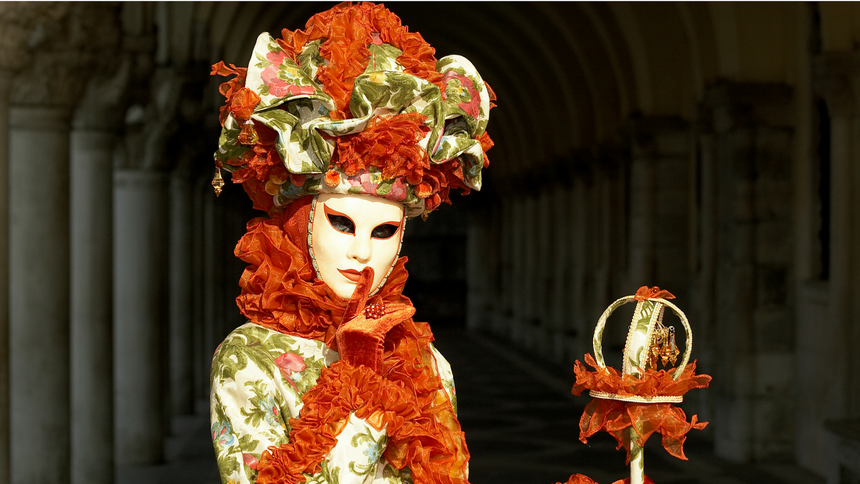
[(349, 232)]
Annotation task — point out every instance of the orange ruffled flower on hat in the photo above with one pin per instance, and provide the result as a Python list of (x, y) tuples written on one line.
[(348, 29), (390, 144), (229, 88)]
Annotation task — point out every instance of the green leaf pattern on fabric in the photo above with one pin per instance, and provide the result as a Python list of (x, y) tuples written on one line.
[(253, 397), (228, 143), (637, 360)]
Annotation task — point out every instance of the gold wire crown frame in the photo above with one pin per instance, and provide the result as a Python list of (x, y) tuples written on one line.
[(639, 348)]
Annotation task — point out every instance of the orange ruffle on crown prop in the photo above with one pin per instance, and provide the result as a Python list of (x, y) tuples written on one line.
[(583, 479), (646, 292), (614, 416)]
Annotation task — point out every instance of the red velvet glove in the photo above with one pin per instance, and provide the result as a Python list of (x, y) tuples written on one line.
[(361, 336)]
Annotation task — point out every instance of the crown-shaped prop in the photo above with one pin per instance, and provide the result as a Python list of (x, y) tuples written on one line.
[(634, 403), (649, 342)]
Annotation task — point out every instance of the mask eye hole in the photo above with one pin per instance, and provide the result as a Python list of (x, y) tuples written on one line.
[(340, 222), (384, 231)]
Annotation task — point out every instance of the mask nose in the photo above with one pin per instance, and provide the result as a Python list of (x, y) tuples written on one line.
[(360, 249)]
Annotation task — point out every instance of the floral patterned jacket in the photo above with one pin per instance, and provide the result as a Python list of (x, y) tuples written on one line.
[(257, 382)]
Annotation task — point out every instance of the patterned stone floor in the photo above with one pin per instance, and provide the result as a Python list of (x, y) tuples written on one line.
[(521, 425)]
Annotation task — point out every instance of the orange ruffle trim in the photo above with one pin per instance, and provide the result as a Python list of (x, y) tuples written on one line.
[(615, 417), (348, 30), (327, 406), (279, 288), (280, 291), (390, 144), (646, 292), (229, 89), (381, 402), (583, 479)]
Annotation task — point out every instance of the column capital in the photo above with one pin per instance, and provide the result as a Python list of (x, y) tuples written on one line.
[(64, 44), (152, 126), (103, 106), (644, 133), (40, 117), (837, 80), (727, 104), (21, 25)]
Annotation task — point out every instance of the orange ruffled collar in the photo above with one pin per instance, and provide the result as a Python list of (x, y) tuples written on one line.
[(280, 292)]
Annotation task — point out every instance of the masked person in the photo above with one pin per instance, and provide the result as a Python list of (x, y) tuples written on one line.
[(341, 132)]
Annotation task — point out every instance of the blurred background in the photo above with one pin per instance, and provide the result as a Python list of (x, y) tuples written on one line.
[(711, 149)]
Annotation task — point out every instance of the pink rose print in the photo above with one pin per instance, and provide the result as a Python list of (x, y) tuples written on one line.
[(362, 179), (276, 58), (398, 191), (250, 460), (277, 86), (290, 363), (473, 106)]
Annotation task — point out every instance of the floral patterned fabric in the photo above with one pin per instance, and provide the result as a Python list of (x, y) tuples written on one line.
[(258, 379)]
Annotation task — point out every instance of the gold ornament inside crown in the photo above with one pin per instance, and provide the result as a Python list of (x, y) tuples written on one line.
[(663, 348), (649, 342)]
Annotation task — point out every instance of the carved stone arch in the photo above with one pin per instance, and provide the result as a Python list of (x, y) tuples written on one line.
[(660, 57), (580, 38), (699, 29), (619, 56), (564, 93)]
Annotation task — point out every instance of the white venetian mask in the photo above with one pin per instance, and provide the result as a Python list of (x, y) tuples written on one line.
[(351, 232)]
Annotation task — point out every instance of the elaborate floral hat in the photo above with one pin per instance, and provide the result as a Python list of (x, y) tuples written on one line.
[(355, 103)]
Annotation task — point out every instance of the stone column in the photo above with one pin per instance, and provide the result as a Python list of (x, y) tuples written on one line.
[(659, 194), (201, 365), (39, 248), (504, 307), (140, 302), (519, 233), (92, 151), (181, 325), (579, 324), (39, 309), (92, 334), (754, 387), (481, 259), (5, 81), (529, 321), (16, 19), (830, 398), (561, 273), (544, 248), (141, 271)]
